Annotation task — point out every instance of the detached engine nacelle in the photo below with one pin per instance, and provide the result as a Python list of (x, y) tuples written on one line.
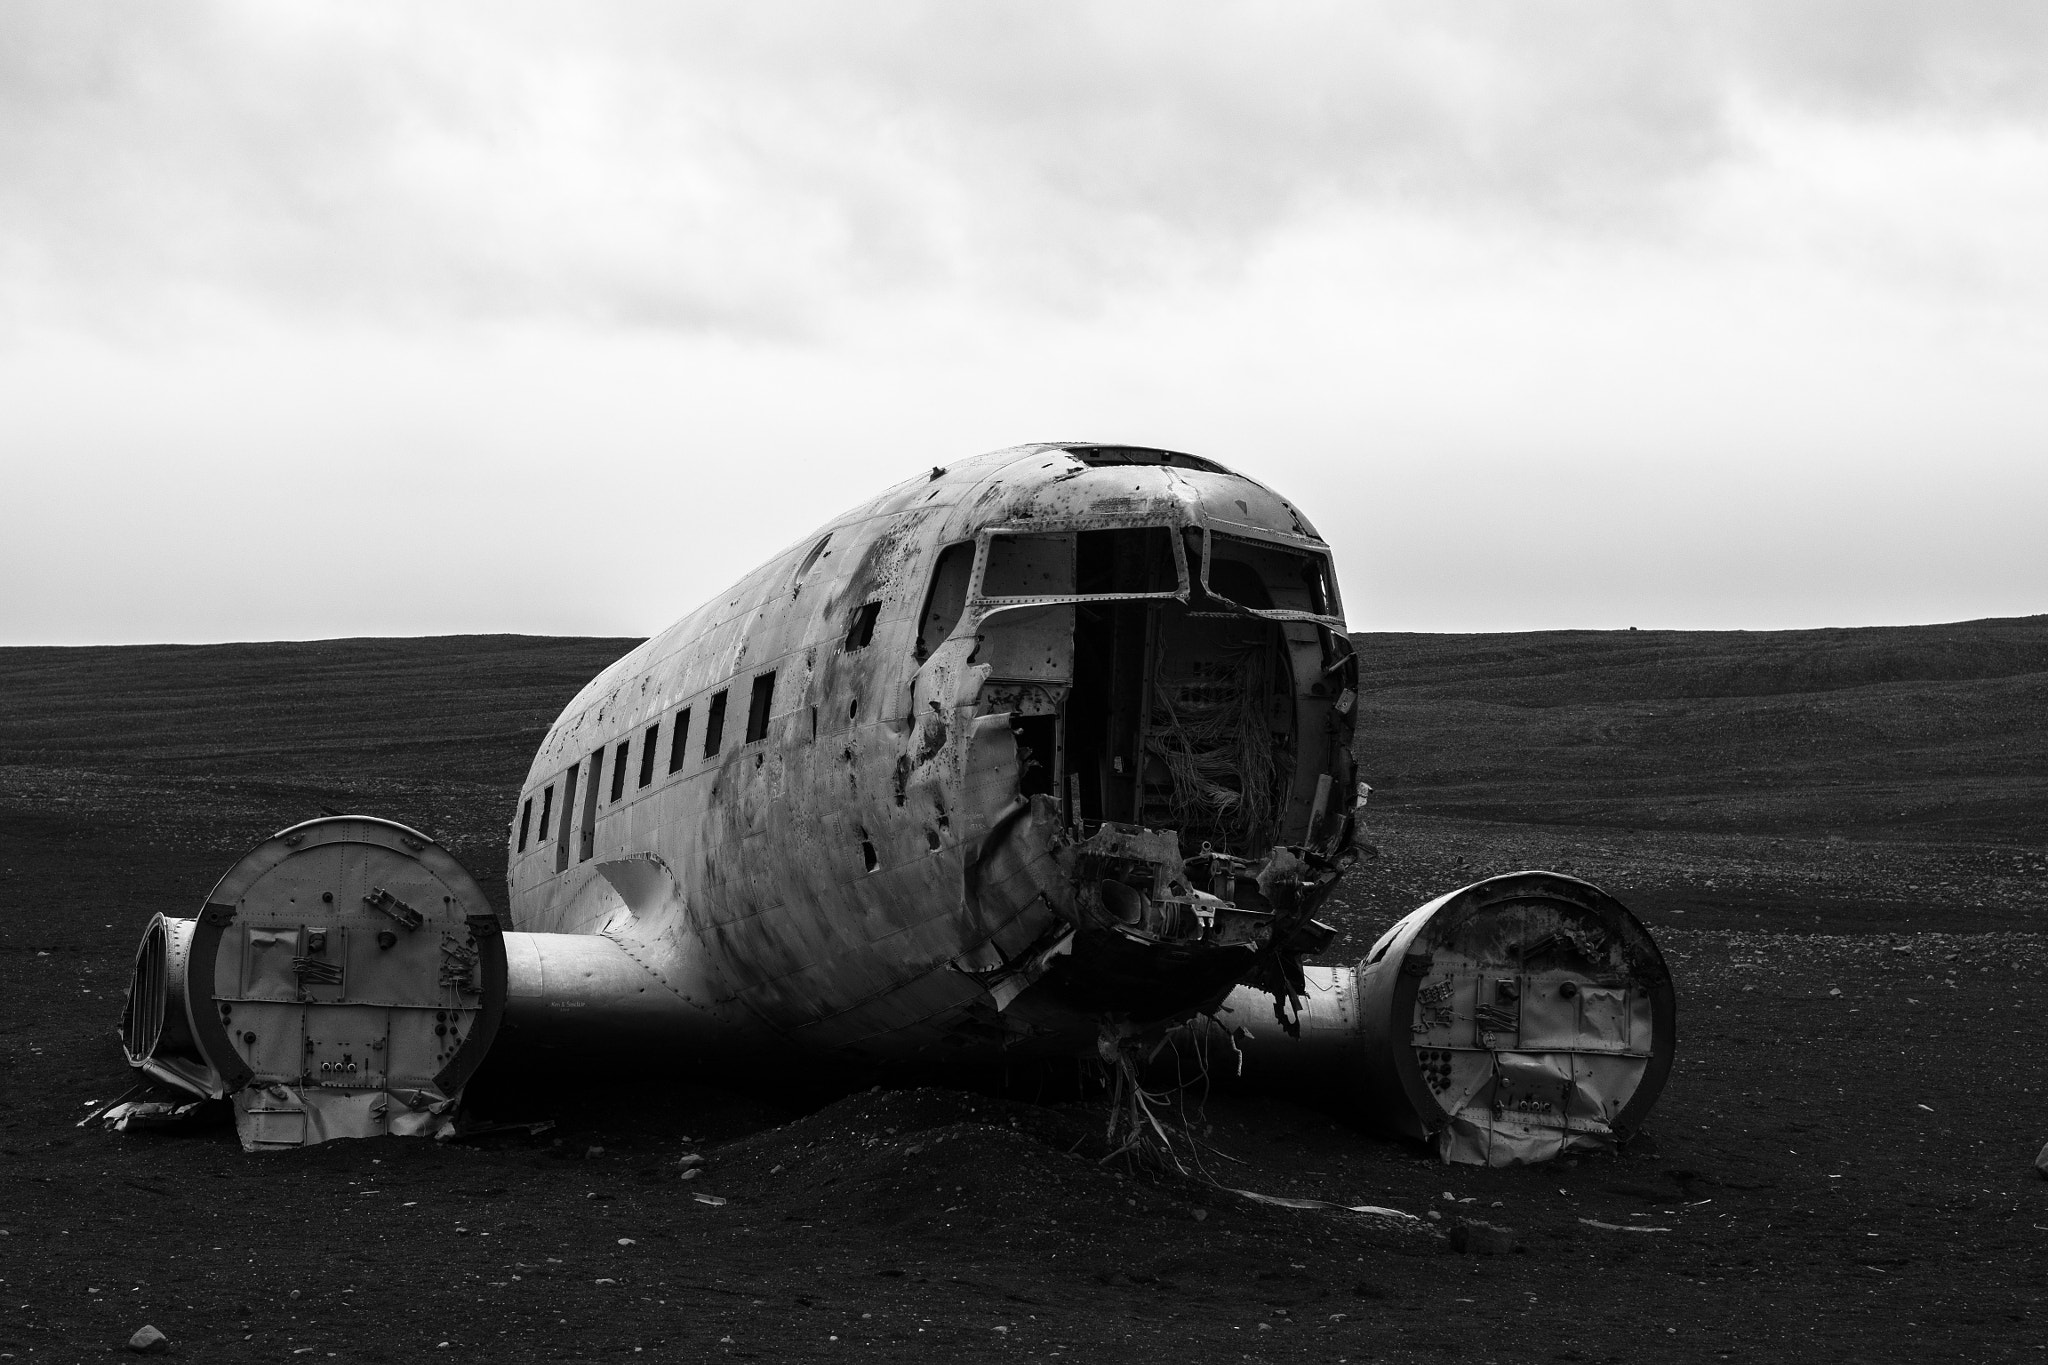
[(1519, 1018), (344, 979), (347, 977)]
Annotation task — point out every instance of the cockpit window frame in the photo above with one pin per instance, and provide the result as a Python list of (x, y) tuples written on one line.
[(1334, 620), (978, 603)]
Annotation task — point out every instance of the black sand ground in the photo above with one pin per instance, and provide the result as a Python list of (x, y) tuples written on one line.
[(1838, 838)]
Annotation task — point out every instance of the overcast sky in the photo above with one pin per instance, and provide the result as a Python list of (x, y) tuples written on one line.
[(370, 318)]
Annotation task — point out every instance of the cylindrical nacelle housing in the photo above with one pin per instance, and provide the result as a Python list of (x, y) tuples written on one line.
[(1510, 1021), (344, 979)]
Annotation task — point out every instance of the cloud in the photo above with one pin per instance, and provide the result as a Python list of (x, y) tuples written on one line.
[(749, 168)]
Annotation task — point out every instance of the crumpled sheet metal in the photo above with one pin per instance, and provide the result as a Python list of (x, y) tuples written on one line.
[(268, 1117), (130, 1115)]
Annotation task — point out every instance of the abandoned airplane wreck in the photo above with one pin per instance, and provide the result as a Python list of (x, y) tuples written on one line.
[(1044, 753)]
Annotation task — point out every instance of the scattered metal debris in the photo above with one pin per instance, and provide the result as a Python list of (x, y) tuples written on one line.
[(1283, 1201)]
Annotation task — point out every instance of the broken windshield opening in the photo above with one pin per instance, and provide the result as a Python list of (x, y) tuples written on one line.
[(1126, 561), (946, 598), (1261, 577)]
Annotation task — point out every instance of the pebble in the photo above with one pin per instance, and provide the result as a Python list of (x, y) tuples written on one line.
[(689, 1159), (147, 1341), (2041, 1163)]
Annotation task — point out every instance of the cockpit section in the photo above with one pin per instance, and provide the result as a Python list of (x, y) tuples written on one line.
[(1158, 676), (1181, 700)]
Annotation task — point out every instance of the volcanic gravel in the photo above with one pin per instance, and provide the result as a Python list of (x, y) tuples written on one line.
[(1841, 1166)]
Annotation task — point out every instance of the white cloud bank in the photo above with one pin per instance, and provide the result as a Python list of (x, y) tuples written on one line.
[(1553, 314)]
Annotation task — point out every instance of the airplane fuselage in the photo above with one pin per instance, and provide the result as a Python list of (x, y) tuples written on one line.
[(1053, 740)]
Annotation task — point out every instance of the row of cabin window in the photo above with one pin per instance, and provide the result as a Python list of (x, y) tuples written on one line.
[(1129, 560), (759, 705), (860, 632)]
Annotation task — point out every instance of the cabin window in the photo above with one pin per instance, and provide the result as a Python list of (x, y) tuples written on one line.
[(568, 821), (648, 742), (677, 739), (619, 768), (525, 822), (547, 808), (714, 725), (946, 598), (860, 631), (587, 843), (758, 706)]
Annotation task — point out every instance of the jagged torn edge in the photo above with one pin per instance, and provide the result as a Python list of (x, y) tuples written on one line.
[(1619, 1227), (1370, 1210)]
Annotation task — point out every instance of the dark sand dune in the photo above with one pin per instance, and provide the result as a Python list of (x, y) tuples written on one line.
[(187, 748), (1899, 732)]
